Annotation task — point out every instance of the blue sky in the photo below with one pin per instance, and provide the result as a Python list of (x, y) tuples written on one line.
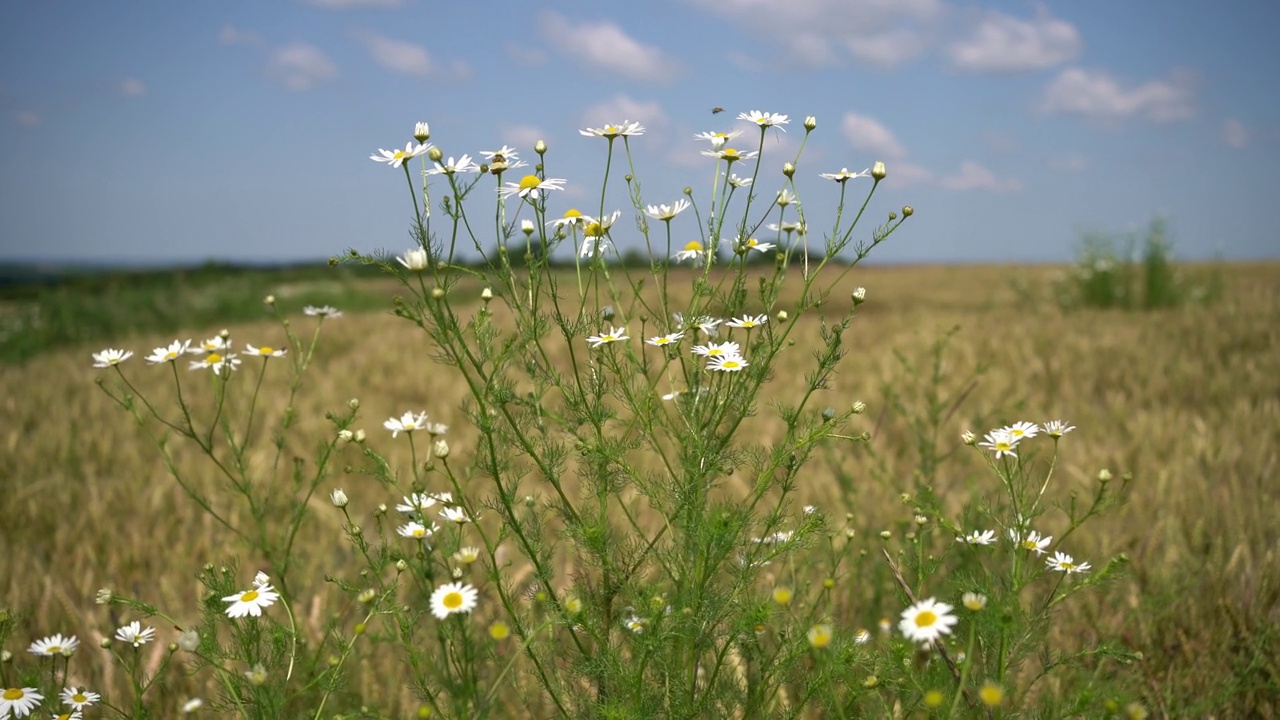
[(157, 131)]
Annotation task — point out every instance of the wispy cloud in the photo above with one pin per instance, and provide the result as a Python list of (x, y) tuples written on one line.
[(1096, 95), (603, 46), (133, 87), (972, 176), (407, 58), (1003, 43), (871, 136), (231, 35), (522, 138), (623, 107), (300, 67), (28, 118), (1235, 134)]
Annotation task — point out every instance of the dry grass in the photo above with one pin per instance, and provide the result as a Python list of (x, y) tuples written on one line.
[(1188, 400)]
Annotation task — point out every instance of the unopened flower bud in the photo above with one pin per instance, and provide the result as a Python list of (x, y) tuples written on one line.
[(486, 294), (354, 403), (434, 154), (366, 596), (421, 132), (788, 169), (921, 520), (401, 565), (173, 647), (828, 414), (440, 449), (1104, 475), (269, 300), (968, 438), (540, 147), (189, 640), (338, 497), (437, 293), (859, 295), (526, 227), (6, 656), (104, 596), (346, 435), (782, 316), (859, 407), (257, 675), (104, 642), (885, 534), (907, 211), (359, 436), (810, 123), (878, 171)]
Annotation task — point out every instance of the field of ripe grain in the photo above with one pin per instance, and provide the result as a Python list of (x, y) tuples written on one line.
[(1187, 400)]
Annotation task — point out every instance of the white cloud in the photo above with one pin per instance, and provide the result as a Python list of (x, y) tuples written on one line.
[(1096, 95), (399, 56), (818, 33), (1069, 163), (1235, 134), (903, 174), (972, 176), (347, 4), (133, 87), (1003, 43), (28, 118), (870, 136), (300, 67), (523, 138), (603, 46), (621, 108), (231, 35)]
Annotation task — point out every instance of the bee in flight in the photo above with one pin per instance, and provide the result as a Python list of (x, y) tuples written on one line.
[(717, 110)]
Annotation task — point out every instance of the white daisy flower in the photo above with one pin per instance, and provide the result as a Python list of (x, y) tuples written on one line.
[(1034, 542), (594, 246), (727, 363), (452, 167), (421, 131), (667, 212), (730, 155), (265, 351), (1063, 562), (214, 344), (614, 335), (134, 633), (452, 598), (718, 139), (531, 187), (1057, 428), (636, 624), (926, 621), (694, 251), (216, 362), (192, 705), (55, 645), (416, 259), (417, 502), (110, 356), (78, 699), (19, 701), (665, 339), (407, 423), (844, 175), (1021, 430), (417, 531), (724, 349), (571, 218), (978, 537), (251, 602), (396, 158), (467, 555), (324, 311), (748, 321), (176, 349), (627, 128), (454, 514), (1000, 442), (504, 158), (754, 244), (785, 197), (739, 182), (764, 119), (708, 325)]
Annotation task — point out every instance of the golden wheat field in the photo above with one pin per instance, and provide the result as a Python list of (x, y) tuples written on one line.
[(1187, 400)]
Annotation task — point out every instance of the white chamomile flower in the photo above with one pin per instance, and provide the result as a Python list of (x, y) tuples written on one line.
[(77, 699), (718, 139), (764, 119), (754, 244), (396, 158), (708, 325), (845, 176), (979, 537), (324, 311), (417, 502), (217, 362), (1063, 562), (215, 344), (571, 218), (785, 197), (19, 701), (739, 182), (614, 335), (452, 598), (135, 634), (1022, 430), (415, 259), (454, 514), (665, 339), (1033, 541), (694, 251), (55, 645), (265, 351), (667, 212), (727, 363), (416, 531), (251, 602), (176, 349), (926, 621), (724, 349), (1057, 428), (748, 321), (730, 155), (110, 356), (625, 129), (505, 158), (531, 187), (467, 555), (636, 624), (192, 705), (406, 423), (1001, 443), (453, 167)]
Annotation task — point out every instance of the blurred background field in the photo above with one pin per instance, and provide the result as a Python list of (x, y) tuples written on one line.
[(1186, 398)]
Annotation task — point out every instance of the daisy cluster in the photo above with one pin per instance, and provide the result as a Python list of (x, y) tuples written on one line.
[(720, 356), (216, 353), (1004, 441), (419, 509), (1030, 541)]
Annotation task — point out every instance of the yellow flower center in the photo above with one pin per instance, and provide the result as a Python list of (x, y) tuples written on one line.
[(249, 596), (991, 695), (213, 359), (729, 154), (529, 182), (419, 532), (693, 246), (610, 130), (572, 213), (499, 631), (593, 230), (933, 698), (782, 596), (730, 364), (926, 619), (752, 242), (452, 600), (79, 698), (713, 352), (14, 694), (266, 350), (54, 649), (762, 120)]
